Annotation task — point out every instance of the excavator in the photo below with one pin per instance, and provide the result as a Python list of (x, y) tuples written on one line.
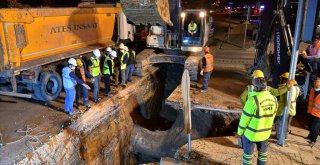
[(168, 30)]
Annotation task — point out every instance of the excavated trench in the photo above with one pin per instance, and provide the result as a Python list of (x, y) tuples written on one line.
[(135, 126)]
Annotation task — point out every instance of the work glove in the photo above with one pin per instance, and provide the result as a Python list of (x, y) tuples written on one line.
[(201, 72), (290, 83)]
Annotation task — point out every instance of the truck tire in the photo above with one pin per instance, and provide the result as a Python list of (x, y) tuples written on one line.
[(49, 87)]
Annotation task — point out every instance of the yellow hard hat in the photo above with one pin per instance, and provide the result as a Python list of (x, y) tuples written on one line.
[(285, 75), (257, 74), (79, 62)]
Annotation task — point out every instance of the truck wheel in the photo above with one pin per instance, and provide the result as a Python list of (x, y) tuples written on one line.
[(50, 86)]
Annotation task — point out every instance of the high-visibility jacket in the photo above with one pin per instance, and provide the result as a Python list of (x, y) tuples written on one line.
[(209, 63), (257, 116), (314, 104), (95, 67), (192, 28), (106, 68), (275, 92), (283, 101), (123, 63), (132, 57), (68, 82)]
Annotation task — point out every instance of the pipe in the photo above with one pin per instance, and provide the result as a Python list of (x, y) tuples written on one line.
[(16, 94), (200, 107), (293, 65)]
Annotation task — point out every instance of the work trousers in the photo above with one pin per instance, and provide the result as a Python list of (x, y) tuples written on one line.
[(116, 75), (315, 64), (206, 78), (96, 87), (82, 91), (123, 76), (106, 84), (68, 102), (314, 129), (129, 72), (278, 124), (248, 148)]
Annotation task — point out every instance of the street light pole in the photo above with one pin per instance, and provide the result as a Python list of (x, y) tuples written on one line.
[(293, 65)]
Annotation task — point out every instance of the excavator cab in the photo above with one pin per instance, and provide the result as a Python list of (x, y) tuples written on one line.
[(194, 30)]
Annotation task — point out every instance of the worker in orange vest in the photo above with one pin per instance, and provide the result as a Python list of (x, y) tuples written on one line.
[(314, 111), (207, 68)]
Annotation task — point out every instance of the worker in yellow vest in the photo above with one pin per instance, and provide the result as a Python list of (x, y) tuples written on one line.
[(275, 92), (108, 70), (207, 68), (256, 122), (124, 56), (282, 103), (94, 68), (130, 64), (192, 28)]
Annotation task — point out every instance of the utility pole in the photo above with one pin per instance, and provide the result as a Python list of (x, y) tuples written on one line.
[(293, 65), (245, 29)]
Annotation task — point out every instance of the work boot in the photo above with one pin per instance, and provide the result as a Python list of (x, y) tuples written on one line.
[(97, 101), (204, 90), (108, 95), (88, 106), (312, 144)]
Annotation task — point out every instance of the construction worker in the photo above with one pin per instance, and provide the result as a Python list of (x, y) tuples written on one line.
[(207, 68), (130, 64), (82, 73), (256, 122), (116, 61), (69, 82), (123, 63), (273, 91), (108, 69), (94, 68), (192, 28), (282, 103), (314, 111)]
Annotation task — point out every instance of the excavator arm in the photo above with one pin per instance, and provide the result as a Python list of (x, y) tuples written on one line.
[(147, 12)]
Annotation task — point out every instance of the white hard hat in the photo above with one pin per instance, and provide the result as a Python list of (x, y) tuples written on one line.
[(108, 49), (72, 61), (126, 48), (121, 46), (113, 54), (97, 53)]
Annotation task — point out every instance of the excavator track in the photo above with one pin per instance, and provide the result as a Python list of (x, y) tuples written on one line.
[(145, 12)]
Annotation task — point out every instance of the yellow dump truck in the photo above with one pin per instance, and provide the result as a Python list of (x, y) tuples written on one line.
[(33, 41)]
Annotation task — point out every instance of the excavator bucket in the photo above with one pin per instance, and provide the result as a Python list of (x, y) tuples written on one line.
[(144, 12)]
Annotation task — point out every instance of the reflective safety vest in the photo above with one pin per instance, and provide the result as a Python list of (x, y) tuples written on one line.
[(95, 67), (192, 28), (258, 115), (283, 101), (68, 82), (134, 54), (106, 69), (124, 65), (209, 61), (251, 89), (314, 104)]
